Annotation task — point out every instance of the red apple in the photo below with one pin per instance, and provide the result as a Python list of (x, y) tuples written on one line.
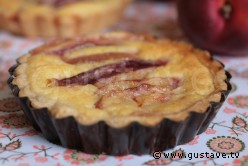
[(220, 26)]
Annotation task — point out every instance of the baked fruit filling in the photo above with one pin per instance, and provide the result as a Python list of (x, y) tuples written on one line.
[(119, 78), (58, 3)]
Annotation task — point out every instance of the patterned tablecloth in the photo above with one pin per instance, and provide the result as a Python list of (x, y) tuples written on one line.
[(21, 145)]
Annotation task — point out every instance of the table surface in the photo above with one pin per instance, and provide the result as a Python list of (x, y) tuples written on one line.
[(21, 145)]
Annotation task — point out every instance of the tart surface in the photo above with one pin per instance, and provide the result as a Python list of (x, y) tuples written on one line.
[(64, 18), (120, 78)]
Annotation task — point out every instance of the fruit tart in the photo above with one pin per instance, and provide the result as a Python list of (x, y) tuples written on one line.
[(61, 18), (119, 93)]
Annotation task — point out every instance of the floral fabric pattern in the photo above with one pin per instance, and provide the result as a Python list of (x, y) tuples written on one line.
[(77, 158), (9, 105), (226, 145)]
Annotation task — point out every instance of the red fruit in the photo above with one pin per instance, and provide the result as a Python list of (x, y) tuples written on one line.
[(220, 26), (94, 75)]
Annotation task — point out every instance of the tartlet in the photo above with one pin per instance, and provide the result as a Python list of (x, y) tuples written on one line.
[(119, 93), (59, 18)]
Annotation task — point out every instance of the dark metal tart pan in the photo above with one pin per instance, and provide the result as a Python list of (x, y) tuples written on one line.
[(132, 139)]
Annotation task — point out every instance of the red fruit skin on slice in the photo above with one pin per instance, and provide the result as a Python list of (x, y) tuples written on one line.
[(93, 75)]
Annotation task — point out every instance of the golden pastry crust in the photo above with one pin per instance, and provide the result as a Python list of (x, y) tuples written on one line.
[(180, 79), (32, 19)]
